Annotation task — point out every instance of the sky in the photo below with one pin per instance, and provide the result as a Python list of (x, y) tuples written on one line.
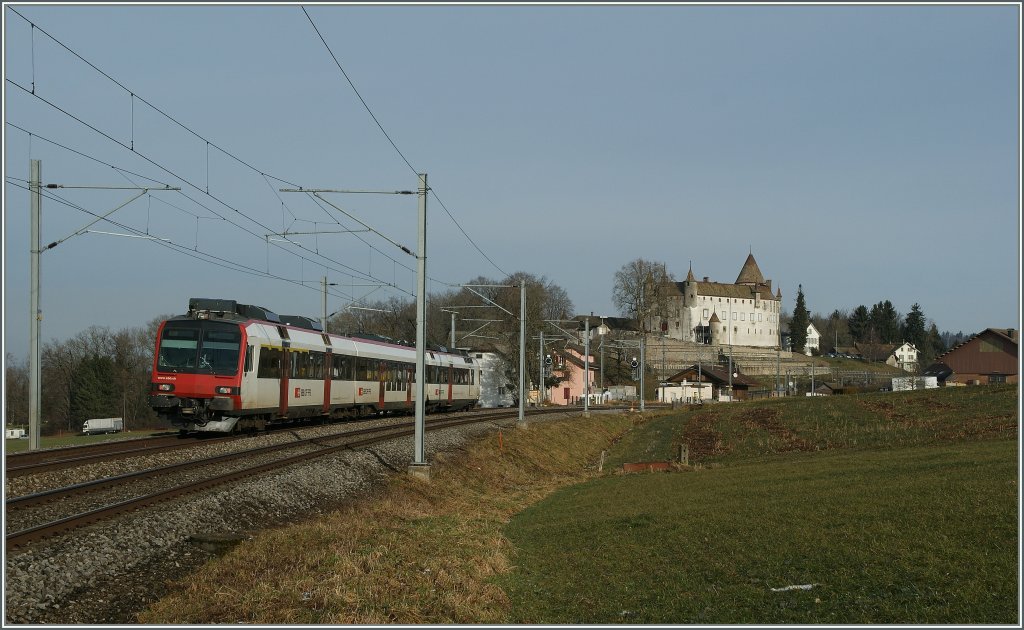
[(863, 152)]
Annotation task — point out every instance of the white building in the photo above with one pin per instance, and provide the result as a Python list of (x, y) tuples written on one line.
[(744, 313), (813, 340), (494, 386), (903, 356)]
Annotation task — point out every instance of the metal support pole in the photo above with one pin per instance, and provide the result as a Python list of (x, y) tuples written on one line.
[(540, 370), (522, 354), (419, 458), (642, 370), (586, 368), (323, 303), (35, 398), (453, 332)]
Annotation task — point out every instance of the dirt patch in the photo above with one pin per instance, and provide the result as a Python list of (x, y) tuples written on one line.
[(766, 419), (702, 438)]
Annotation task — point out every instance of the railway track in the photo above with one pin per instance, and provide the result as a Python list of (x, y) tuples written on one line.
[(32, 462), (34, 517)]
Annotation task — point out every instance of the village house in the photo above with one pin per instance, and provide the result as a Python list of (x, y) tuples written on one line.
[(703, 379)]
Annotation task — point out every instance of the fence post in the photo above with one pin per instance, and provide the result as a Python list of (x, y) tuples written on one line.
[(600, 466), (684, 454)]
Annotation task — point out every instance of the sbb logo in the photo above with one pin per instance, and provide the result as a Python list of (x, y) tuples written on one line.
[(300, 392)]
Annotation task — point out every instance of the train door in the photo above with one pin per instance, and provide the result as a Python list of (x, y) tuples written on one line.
[(410, 376), (383, 378), (327, 371), (451, 382), (286, 370)]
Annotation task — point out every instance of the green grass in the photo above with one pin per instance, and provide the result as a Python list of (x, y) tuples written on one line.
[(761, 430), (59, 441), (898, 507), (919, 535)]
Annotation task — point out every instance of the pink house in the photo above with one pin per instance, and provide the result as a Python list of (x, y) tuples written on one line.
[(569, 363)]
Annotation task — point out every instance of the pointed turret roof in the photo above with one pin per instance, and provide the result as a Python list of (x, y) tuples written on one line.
[(750, 274), (689, 274), (714, 319)]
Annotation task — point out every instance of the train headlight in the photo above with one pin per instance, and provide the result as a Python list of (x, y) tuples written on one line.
[(165, 387), (223, 390)]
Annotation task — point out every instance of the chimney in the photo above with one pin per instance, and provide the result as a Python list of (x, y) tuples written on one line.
[(1012, 334)]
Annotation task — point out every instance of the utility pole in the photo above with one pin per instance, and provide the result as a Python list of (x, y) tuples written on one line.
[(540, 370), (453, 331), (586, 367), (35, 398), (521, 422), (36, 315), (643, 365), (419, 465)]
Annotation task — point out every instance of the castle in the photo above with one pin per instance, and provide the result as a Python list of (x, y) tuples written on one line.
[(744, 313)]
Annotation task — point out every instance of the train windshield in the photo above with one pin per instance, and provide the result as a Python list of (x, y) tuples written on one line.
[(199, 347)]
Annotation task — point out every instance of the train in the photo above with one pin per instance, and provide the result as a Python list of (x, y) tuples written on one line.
[(226, 367)]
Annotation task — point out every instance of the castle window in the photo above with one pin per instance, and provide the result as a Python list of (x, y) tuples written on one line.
[(705, 313), (743, 315), (758, 317)]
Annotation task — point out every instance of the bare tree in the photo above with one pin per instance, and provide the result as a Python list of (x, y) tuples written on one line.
[(641, 291)]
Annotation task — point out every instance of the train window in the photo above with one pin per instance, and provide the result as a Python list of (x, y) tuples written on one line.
[(178, 347), (248, 359), (219, 351), (269, 363), (300, 364), (316, 365), (342, 367)]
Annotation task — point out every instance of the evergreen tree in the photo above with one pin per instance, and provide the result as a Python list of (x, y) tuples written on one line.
[(93, 392), (859, 323), (931, 348), (798, 325), (913, 327), (885, 321)]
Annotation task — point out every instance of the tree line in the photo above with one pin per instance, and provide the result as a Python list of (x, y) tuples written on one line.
[(98, 373)]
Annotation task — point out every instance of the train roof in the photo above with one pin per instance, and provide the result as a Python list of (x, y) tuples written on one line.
[(215, 308)]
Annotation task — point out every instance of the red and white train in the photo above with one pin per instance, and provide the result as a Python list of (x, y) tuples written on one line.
[(226, 367)]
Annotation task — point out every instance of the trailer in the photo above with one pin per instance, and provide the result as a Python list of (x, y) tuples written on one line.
[(14, 434), (103, 425)]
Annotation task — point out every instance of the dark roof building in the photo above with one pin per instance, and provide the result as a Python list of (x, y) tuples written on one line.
[(717, 376), (987, 357)]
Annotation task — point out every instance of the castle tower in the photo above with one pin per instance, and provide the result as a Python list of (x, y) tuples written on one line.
[(750, 274), (716, 329)]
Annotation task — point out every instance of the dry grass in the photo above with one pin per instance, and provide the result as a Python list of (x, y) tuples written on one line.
[(418, 553)]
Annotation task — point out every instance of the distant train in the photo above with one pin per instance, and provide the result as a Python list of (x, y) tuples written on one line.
[(226, 367)]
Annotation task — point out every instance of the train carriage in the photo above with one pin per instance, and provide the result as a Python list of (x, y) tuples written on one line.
[(225, 367)]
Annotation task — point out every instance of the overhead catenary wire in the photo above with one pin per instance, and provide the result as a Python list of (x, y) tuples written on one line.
[(205, 189), (158, 165), (205, 257), (392, 142), (130, 147)]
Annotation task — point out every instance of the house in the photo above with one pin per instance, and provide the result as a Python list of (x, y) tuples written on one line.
[(813, 340), (901, 355), (747, 311), (717, 377), (987, 357), (495, 390), (569, 365)]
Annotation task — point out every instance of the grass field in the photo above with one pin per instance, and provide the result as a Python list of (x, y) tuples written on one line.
[(915, 535), (896, 508), (73, 439)]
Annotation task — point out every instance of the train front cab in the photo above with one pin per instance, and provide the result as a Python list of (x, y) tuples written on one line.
[(197, 372)]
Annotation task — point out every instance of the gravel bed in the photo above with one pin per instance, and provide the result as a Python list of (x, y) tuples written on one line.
[(28, 484), (108, 572)]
